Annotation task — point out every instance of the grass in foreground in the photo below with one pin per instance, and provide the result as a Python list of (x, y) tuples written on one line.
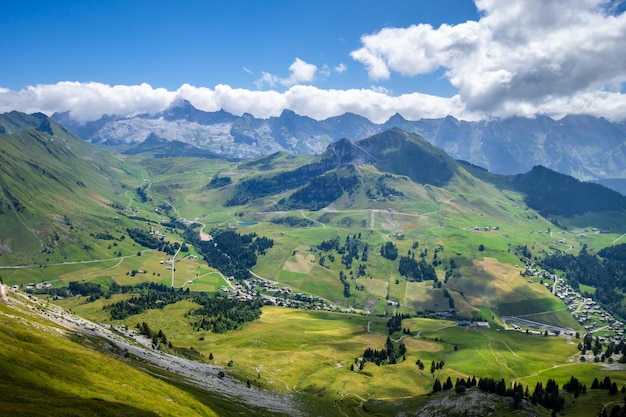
[(44, 373)]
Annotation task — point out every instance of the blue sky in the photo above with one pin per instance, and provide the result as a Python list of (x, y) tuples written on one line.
[(204, 43), (420, 58)]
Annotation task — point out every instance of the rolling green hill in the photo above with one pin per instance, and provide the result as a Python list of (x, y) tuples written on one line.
[(382, 226)]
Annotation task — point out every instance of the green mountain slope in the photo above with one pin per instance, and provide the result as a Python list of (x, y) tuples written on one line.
[(48, 371), (394, 151), (56, 190)]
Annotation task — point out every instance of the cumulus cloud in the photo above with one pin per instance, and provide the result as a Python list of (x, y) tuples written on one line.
[(527, 55), (86, 101), (89, 101), (300, 72), (523, 57)]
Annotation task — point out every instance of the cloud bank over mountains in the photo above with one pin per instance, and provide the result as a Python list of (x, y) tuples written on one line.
[(520, 58)]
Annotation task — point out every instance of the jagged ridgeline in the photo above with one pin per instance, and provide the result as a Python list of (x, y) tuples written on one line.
[(582, 146)]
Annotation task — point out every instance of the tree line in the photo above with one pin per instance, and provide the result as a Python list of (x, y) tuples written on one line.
[(220, 314), (546, 395), (147, 240), (390, 354), (231, 253), (147, 296)]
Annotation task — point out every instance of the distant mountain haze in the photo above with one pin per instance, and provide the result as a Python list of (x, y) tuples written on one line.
[(585, 147)]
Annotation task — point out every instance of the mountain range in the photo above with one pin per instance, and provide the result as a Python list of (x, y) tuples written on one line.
[(48, 174), (585, 147)]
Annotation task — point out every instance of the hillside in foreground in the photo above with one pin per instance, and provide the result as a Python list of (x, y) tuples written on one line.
[(46, 369)]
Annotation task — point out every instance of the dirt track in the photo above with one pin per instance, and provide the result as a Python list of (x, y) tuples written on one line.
[(202, 375)]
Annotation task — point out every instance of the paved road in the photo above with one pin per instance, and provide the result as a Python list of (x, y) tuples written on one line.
[(531, 323)]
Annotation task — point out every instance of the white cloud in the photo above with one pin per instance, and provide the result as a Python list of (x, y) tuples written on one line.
[(86, 101), (266, 79), (341, 68), (89, 101), (522, 57), (300, 72), (527, 54)]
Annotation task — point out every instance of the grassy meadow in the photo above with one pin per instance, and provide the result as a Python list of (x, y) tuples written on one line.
[(314, 352)]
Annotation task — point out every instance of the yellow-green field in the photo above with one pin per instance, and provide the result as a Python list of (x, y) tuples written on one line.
[(291, 350)]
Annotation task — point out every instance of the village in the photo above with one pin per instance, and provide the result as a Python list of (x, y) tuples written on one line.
[(274, 294), (585, 310)]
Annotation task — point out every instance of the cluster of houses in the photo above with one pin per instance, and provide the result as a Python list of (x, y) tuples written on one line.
[(479, 324), (274, 294), (485, 228), (586, 311), (33, 287)]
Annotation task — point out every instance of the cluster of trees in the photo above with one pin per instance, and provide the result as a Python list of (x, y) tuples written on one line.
[(389, 251), (329, 245), (461, 384), (262, 186), (574, 386), (174, 223), (141, 192), (547, 396), (606, 384), (414, 270), (605, 271), (101, 236), (390, 354), (345, 283), (218, 182), (381, 189), (436, 366), (147, 296), (220, 314), (320, 192), (394, 324), (158, 338), (349, 251), (216, 313), (292, 221), (91, 290), (147, 240), (352, 249), (593, 344), (233, 254), (85, 289)]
